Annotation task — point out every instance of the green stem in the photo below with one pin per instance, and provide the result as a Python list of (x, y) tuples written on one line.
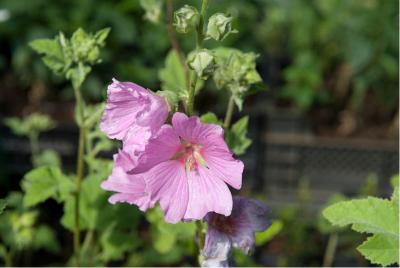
[(8, 258), (192, 91), (201, 236), (34, 143), (79, 172), (330, 250), (200, 28), (199, 42), (229, 113), (88, 239)]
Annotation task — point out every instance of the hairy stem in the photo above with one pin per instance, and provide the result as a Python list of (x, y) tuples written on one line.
[(330, 250), (199, 42), (171, 33), (79, 172), (87, 242), (34, 143), (8, 258), (192, 91), (229, 113), (201, 236), (200, 28)]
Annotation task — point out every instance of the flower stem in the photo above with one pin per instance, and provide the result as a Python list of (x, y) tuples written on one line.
[(199, 42), (200, 28), (200, 233), (79, 172), (192, 91), (330, 250), (34, 143), (229, 113), (173, 39)]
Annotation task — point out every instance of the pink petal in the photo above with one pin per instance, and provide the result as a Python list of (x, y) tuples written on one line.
[(191, 129), (207, 193), (136, 138), (125, 160), (120, 181), (167, 183), (129, 104), (130, 189), (224, 166), (160, 148)]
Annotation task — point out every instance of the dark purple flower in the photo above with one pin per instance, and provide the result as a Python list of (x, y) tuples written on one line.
[(237, 230)]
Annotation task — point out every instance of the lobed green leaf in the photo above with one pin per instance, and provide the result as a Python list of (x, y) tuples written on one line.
[(210, 118), (43, 183), (380, 249), (370, 215), (3, 204), (236, 137)]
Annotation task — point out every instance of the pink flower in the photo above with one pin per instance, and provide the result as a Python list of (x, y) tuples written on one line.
[(132, 114), (186, 167), (237, 230), (129, 188)]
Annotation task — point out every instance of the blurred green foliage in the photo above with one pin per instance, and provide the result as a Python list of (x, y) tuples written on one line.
[(31, 127), (313, 52), (336, 48)]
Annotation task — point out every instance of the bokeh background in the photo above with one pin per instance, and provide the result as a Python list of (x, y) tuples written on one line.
[(324, 128)]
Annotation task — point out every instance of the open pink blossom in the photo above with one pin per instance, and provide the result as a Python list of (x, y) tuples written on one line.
[(237, 230), (132, 114), (130, 189), (187, 167)]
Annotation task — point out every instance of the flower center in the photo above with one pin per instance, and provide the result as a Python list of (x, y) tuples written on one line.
[(190, 155)]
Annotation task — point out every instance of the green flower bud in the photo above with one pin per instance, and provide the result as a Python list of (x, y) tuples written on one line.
[(153, 10), (219, 26), (186, 19), (202, 62), (236, 72)]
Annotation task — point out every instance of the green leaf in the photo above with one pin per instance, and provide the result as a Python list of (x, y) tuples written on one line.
[(43, 183), (45, 238), (53, 53), (164, 242), (48, 157), (47, 46), (166, 235), (395, 184), (3, 204), (32, 124), (271, 232), (238, 99), (323, 224), (115, 243), (236, 136), (210, 118), (173, 77), (380, 249), (91, 203), (101, 36), (370, 215)]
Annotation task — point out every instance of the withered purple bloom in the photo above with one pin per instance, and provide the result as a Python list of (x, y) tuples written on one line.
[(237, 230)]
